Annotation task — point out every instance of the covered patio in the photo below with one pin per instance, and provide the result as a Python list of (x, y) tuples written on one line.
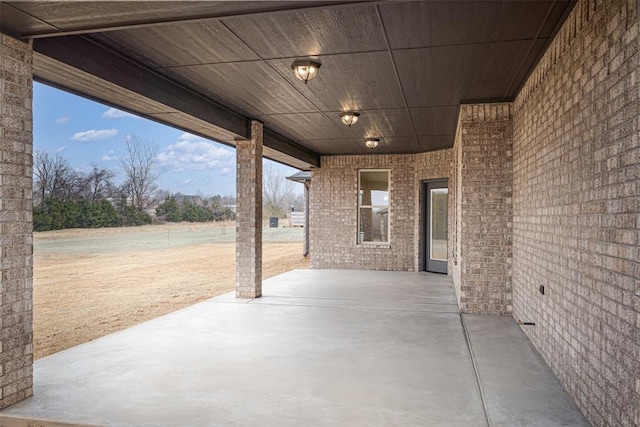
[(321, 347), (527, 111)]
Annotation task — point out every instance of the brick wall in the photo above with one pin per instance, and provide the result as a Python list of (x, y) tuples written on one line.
[(16, 351), (483, 183), (334, 216), (333, 224), (576, 186), (456, 226)]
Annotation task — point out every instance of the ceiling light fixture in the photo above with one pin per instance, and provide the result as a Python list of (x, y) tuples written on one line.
[(349, 118), (372, 142), (305, 69)]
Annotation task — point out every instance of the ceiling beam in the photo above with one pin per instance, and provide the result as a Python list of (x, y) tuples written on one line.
[(283, 145), (100, 61)]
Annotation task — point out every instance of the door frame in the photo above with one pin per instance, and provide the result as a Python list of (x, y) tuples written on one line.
[(424, 219)]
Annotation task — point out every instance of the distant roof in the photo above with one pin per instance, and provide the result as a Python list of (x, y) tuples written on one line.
[(301, 176)]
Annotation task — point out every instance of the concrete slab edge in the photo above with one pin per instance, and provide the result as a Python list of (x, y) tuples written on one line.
[(14, 421)]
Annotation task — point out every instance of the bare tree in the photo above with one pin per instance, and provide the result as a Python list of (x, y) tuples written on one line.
[(277, 191), (228, 200), (139, 166), (162, 194), (53, 176), (42, 169), (98, 184)]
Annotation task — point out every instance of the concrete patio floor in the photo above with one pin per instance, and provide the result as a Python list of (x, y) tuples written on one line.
[(321, 347)]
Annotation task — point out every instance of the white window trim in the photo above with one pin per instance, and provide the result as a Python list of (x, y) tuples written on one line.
[(386, 244)]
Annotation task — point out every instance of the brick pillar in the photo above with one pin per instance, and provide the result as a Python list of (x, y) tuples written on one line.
[(16, 286), (483, 186), (249, 214)]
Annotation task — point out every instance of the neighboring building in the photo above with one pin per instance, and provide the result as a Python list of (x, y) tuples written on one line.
[(297, 219), (506, 150)]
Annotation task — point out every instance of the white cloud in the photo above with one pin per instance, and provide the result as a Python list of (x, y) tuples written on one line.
[(194, 153), (94, 135), (60, 149), (189, 137), (109, 156), (114, 113), (225, 171), (62, 120), (186, 181)]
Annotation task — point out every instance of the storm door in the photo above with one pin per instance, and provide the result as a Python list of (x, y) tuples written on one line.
[(435, 214)]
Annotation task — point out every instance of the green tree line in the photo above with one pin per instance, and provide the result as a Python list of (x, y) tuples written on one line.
[(171, 210), (56, 214)]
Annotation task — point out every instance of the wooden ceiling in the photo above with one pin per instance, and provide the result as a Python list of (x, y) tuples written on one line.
[(209, 67)]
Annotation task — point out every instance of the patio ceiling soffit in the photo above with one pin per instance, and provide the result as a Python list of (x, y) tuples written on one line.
[(157, 59)]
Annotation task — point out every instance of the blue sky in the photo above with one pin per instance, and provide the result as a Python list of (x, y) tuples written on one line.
[(85, 131)]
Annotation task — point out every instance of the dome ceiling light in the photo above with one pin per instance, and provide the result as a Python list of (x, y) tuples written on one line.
[(372, 142), (349, 117), (305, 69)]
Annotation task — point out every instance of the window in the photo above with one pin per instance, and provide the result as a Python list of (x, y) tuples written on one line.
[(373, 206)]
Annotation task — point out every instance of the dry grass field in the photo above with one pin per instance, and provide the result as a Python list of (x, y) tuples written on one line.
[(92, 282)]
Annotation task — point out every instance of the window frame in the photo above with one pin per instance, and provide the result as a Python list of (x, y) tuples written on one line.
[(359, 207)]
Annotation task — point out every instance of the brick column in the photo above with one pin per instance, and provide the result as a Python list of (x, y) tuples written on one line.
[(16, 336), (249, 214), (483, 187)]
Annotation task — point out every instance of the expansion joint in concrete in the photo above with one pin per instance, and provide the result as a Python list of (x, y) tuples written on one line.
[(475, 370)]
